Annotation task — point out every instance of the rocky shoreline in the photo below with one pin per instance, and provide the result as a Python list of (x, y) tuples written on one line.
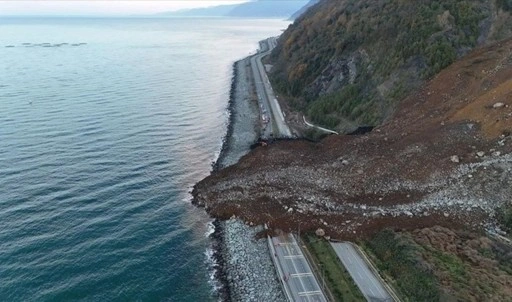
[(243, 264)]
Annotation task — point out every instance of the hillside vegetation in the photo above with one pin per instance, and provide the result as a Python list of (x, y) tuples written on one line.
[(349, 62), (438, 264)]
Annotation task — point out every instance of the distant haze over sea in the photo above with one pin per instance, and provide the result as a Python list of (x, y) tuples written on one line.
[(284, 9)]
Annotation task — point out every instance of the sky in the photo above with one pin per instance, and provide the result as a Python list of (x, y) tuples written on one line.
[(101, 7)]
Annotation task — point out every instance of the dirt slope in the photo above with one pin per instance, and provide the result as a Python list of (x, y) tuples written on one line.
[(444, 158)]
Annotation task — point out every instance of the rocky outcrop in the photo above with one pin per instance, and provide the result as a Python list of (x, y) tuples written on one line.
[(338, 73)]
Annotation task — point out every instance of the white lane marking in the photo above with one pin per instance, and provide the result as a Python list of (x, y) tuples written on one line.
[(296, 282), (310, 293), (296, 271), (293, 256), (301, 275)]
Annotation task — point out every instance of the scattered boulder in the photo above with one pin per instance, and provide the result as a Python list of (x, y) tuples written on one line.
[(320, 232), (455, 158), (498, 105), (480, 153)]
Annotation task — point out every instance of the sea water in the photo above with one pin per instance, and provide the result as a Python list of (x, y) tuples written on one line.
[(105, 124)]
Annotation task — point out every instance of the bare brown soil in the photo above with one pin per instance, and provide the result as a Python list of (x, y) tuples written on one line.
[(401, 175)]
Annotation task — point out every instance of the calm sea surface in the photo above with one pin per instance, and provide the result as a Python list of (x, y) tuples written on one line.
[(99, 146)]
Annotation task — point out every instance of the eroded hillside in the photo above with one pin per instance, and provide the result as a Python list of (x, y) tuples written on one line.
[(443, 158), (349, 62)]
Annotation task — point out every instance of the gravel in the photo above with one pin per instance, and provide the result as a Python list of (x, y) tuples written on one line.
[(250, 273), (246, 266)]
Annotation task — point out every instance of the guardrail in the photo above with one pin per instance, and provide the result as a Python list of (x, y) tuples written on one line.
[(318, 127)]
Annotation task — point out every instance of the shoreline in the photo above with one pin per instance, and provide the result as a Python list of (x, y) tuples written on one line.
[(217, 236), (242, 265), (224, 150)]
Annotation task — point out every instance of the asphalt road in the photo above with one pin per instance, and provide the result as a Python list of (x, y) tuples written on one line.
[(268, 102), (265, 111), (364, 278), (294, 270)]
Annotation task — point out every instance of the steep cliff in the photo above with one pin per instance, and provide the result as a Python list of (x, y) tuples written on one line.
[(350, 62)]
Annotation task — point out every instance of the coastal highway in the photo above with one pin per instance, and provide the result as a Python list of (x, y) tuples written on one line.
[(368, 283), (264, 106), (298, 281), (269, 106), (296, 275)]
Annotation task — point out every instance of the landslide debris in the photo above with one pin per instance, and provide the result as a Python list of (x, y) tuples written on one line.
[(348, 63), (444, 158)]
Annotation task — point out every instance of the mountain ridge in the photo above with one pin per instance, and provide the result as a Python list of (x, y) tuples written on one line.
[(251, 9)]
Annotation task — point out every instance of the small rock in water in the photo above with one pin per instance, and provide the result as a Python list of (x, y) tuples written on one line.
[(480, 153), (446, 215)]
